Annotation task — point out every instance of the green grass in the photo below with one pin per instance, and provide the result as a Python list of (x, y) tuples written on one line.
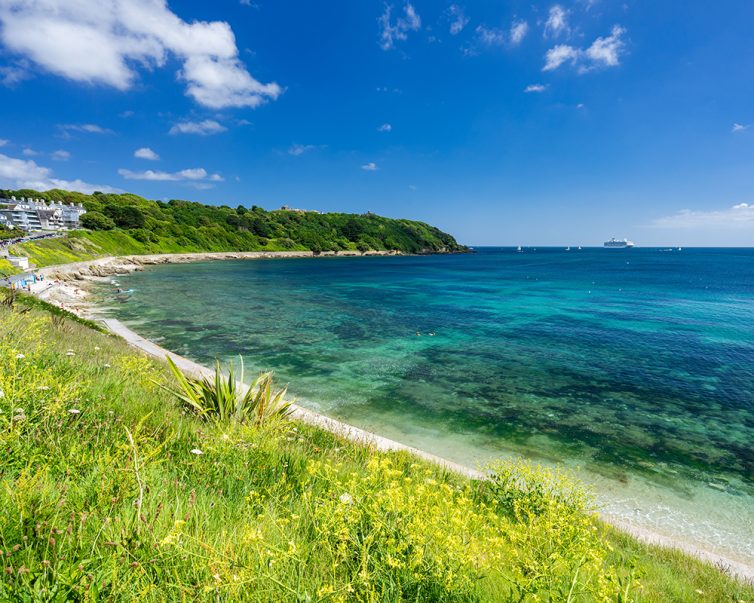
[(104, 497), (82, 245), (7, 269)]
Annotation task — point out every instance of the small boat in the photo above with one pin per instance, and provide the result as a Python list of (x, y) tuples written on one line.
[(519, 250), (568, 248)]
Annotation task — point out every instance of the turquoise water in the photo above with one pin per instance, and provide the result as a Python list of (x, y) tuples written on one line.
[(635, 368)]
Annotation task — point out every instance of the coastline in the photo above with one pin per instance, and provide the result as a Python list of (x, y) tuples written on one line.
[(71, 292), (66, 285)]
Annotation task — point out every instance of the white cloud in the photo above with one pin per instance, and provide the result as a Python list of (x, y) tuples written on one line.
[(146, 153), (557, 22), (3, 142), (29, 152), (490, 36), (458, 19), (390, 32), (25, 173), (84, 128), (535, 88), (299, 149), (10, 75), (603, 52), (734, 129), (737, 216), (519, 29), (157, 176), (105, 41), (370, 167), (203, 128), (606, 51), (385, 128), (560, 54), (61, 155)]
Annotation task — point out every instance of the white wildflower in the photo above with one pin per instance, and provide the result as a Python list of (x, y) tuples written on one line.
[(43, 388), (346, 498), (196, 451), (70, 353), (74, 411), (97, 348), (106, 365), (20, 356), (2, 394)]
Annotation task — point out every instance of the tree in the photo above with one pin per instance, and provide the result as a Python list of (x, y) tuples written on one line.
[(94, 220), (126, 216)]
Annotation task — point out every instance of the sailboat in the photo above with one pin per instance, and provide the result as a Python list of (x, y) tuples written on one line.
[(519, 250)]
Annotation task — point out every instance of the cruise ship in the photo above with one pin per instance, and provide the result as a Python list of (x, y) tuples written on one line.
[(620, 244)]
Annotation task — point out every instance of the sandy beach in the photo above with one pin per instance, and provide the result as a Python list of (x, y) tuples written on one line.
[(67, 286)]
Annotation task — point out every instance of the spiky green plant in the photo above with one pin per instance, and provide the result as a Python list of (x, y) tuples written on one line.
[(223, 399)]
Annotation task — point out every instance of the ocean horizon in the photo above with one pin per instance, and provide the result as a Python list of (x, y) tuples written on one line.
[(630, 367)]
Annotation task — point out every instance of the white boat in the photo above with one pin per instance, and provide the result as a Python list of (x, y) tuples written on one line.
[(519, 250), (616, 244)]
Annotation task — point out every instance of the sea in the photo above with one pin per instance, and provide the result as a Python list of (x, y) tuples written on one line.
[(631, 368)]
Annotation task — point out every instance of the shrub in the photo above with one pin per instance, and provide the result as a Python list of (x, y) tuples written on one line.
[(222, 399)]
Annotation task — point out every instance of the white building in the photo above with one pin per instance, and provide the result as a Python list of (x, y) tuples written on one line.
[(35, 214)]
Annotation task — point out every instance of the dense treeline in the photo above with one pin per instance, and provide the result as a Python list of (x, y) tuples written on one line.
[(195, 226)]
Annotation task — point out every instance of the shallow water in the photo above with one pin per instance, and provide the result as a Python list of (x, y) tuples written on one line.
[(635, 368)]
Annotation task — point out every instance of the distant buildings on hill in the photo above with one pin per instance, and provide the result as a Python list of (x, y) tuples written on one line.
[(36, 214), (299, 211)]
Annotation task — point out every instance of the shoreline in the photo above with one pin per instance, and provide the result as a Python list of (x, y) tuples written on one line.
[(71, 290), (65, 285)]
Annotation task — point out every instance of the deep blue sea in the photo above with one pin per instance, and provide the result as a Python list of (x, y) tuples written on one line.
[(632, 367)]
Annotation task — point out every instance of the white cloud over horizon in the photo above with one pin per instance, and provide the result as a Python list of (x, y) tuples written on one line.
[(104, 42), (146, 153), (26, 173), (370, 167), (736, 216), (391, 32), (206, 127), (603, 52), (61, 155)]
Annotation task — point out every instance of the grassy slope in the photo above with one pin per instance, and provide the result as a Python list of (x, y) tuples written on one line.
[(6, 268), (85, 245), (279, 513)]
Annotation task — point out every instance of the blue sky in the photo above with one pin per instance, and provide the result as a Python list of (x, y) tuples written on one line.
[(501, 122)]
